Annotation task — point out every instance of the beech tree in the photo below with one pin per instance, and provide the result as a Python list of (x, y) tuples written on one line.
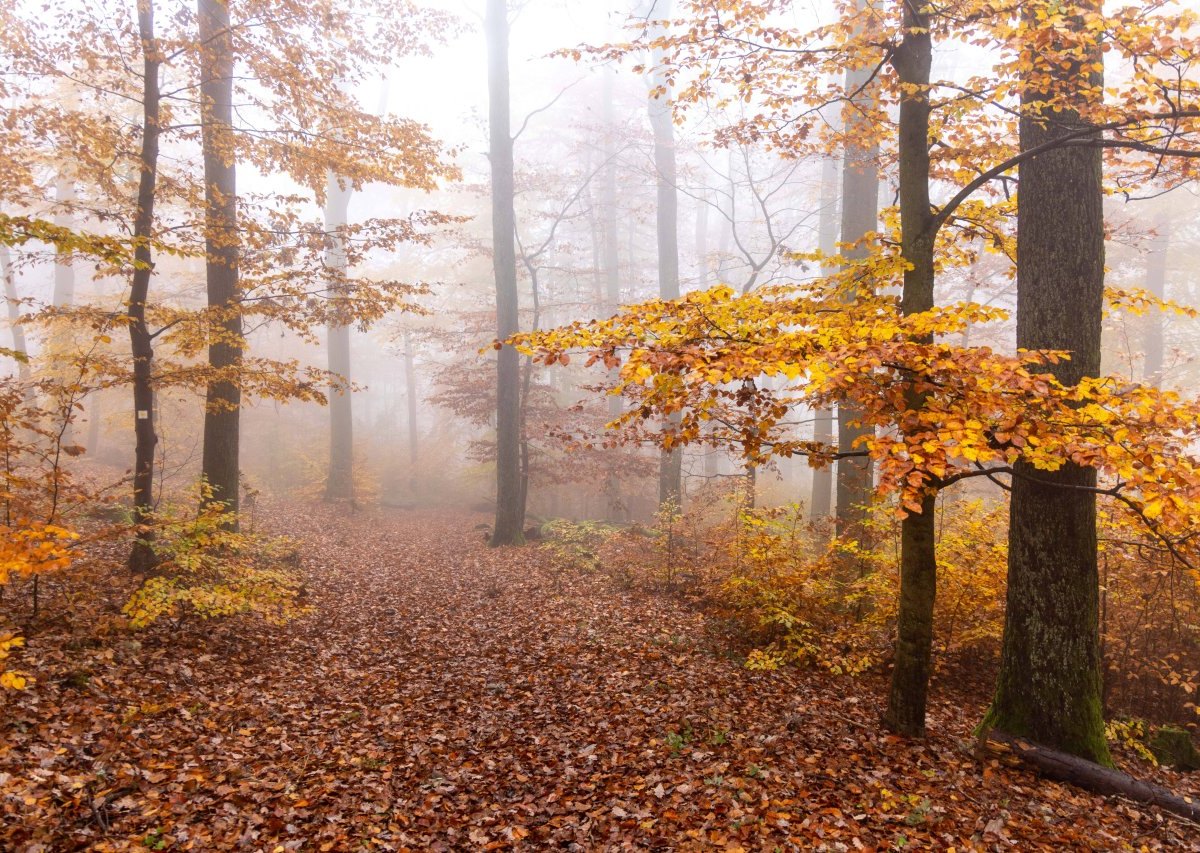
[(1049, 687), (510, 517), (223, 395)]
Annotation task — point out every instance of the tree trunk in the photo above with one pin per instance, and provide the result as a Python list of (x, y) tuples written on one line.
[(1065, 767), (860, 213), (510, 515), (223, 398), (611, 262), (20, 345), (141, 557), (1156, 284), (823, 427), (670, 468), (64, 272), (1049, 686), (339, 485), (918, 558), (414, 438)]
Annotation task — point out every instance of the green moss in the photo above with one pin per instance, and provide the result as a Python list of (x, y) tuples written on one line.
[(1174, 748)]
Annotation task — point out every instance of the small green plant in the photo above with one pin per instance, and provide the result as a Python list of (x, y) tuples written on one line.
[(718, 737), (576, 546), (155, 840), (919, 813), (208, 569), (754, 771)]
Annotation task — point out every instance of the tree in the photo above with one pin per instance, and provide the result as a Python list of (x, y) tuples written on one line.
[(223, 395), (670, 470), (1156, 285), (913, 59), (141, 557), (860, 214), (339, 484), (510, 518), (1049, 685), (821, 504)]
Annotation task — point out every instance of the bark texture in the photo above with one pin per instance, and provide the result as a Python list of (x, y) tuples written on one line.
[(918, 536), (223, 397), (1049, 686), (141, 557)]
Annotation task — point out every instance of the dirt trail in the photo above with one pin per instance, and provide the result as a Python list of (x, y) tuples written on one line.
[(446, 696)]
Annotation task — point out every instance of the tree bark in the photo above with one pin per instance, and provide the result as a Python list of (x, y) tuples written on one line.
[(1049, 686), (141, 556), (510, 515), (860, 213), (339, 485), (223, 398), (1091, 776), (670, 468), (918, 558)]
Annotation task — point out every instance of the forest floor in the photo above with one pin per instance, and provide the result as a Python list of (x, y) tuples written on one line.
[(447, 696)]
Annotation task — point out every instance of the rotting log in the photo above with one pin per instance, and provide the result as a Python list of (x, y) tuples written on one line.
[(1064, 767)]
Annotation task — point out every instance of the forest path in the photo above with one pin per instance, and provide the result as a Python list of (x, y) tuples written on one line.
[(449, 696)]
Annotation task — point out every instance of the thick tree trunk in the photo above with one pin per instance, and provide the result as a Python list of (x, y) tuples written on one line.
[(510, 515), (860, 213), (918, 559), (1156, 283), (339, 485), (670, 468), (1049, 686), (223, 398), (823, 427), (141, 557)]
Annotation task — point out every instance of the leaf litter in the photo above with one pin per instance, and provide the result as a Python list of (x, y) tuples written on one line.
[(448, 696)]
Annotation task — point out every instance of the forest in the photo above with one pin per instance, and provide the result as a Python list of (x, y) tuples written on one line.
[(618, 425)]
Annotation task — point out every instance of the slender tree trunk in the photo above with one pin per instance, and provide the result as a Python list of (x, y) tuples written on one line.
[(611, 262), (510, 516), (1049, 686), (1156, 284), (339, 485), (414, 438), (670, 469), (64, 272), (918, 557), (823, 426), (223, 399), (860, 213), (141, 557), (20, 345)]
